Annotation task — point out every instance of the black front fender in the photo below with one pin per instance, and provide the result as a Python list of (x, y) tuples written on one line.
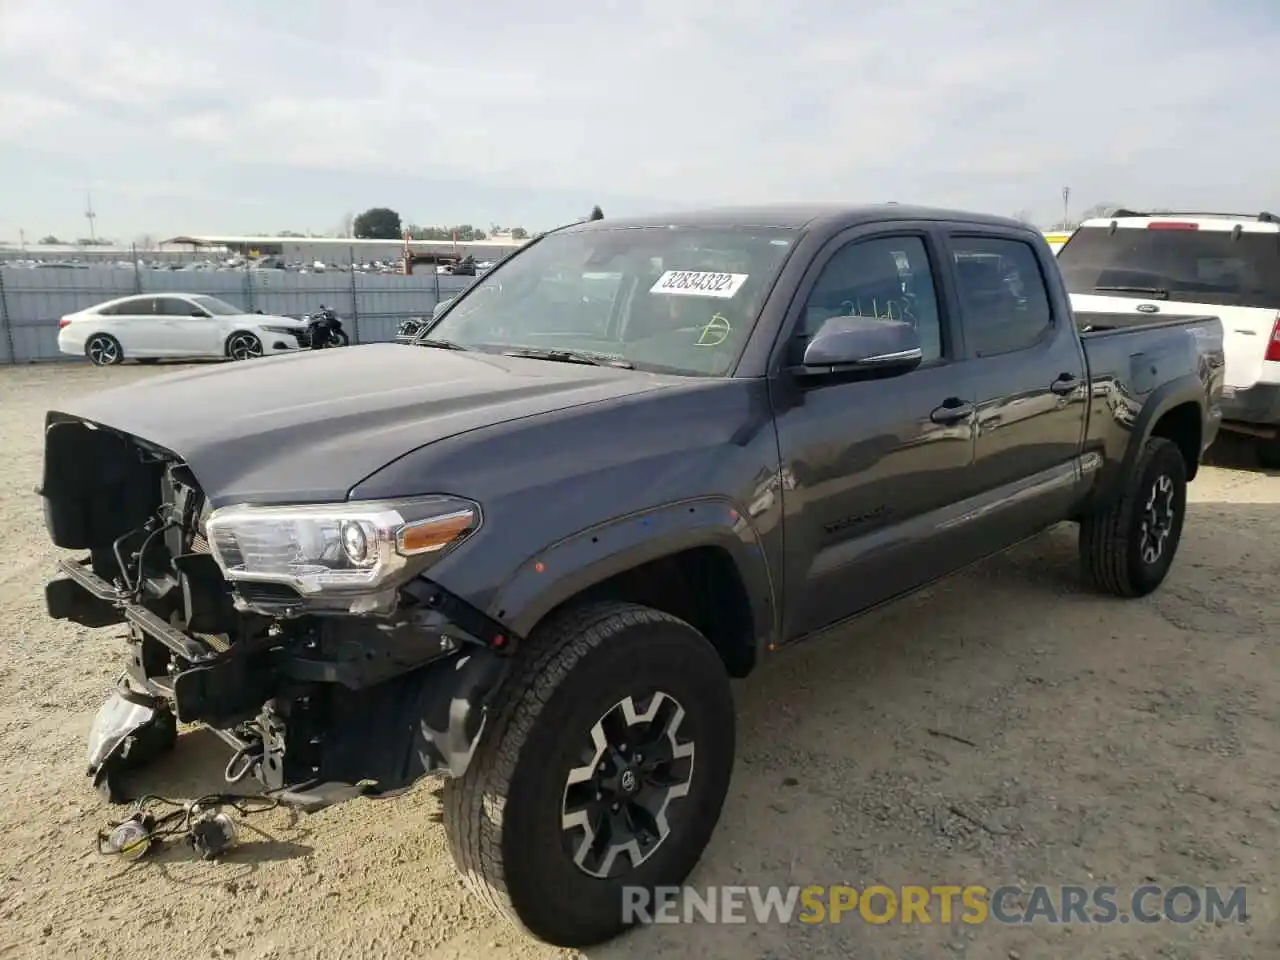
[(590, 556)]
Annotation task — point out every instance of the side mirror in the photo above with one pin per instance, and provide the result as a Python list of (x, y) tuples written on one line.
[(862, 344), (440, 307)]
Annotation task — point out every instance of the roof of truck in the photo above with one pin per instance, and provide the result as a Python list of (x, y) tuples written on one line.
[(795, 216)]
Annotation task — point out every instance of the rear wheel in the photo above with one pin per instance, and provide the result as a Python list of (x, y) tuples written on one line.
[(103, 350), (1127, 548), (605, 769), (243, 346)]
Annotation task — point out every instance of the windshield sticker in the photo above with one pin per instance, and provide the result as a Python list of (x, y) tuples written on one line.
[(693, 283), (715, 332)]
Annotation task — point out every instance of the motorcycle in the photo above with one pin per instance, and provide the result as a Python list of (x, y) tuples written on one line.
[(409, 328), (326, 329)]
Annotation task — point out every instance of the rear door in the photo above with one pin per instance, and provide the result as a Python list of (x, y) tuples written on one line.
[(1029, 382), (1194, 267), (133, 322)]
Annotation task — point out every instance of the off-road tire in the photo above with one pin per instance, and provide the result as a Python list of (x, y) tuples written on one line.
[(503, 817), (1110, 537), (1268, 453), (112, 356)]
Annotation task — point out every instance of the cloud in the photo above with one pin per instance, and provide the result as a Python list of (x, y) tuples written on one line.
[(989, 106)]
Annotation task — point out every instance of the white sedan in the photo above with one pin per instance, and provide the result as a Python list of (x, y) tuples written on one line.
[(176, 325)]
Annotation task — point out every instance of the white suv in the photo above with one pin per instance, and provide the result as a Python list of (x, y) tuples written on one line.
[(1161, 266)]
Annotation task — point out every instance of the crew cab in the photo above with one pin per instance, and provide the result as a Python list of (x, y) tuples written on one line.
[(1144, 267), (528, 552)]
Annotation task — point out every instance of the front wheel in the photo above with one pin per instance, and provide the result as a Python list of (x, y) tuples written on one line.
[(602, 777), (243, 346), (1127, 548)]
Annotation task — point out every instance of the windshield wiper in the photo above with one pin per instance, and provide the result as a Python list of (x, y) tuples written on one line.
[(569, 356), (1155, 292), (441, 344)]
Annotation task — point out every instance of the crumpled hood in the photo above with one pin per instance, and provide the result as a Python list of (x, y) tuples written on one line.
[(308, 427)]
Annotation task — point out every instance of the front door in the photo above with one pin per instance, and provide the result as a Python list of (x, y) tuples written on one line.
[(186, 334), (870, 462)]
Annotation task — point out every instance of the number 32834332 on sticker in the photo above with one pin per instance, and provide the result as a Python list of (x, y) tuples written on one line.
[(694, 283)]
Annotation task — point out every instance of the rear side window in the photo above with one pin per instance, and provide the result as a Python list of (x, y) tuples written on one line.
[(140, 306), (1004, 305), (1201, 266)]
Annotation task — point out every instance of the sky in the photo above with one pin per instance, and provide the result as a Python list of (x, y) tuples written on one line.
[(239, 117)]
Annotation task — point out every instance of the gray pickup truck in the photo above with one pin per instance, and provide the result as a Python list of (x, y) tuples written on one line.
[(528, 552)]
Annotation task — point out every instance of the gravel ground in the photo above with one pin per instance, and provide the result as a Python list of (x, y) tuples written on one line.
[(1100, 741)]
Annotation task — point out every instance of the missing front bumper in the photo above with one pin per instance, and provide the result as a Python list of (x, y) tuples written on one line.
[(346, 709)]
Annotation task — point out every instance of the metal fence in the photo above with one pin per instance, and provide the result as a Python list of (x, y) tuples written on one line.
[(371, 304)]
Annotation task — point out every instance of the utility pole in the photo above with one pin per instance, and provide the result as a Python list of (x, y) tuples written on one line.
[(90, 216), (1066, 207)]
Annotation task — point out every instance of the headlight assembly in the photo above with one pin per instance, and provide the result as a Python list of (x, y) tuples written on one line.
[(337, 549)]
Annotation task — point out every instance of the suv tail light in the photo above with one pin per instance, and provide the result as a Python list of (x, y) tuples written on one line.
[(64, 322), (1273, 345)]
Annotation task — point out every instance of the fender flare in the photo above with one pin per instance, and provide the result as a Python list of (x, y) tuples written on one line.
[(1175, 393), (591, 555)]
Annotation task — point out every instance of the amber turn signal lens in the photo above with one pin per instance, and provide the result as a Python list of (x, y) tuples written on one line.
[(434, 533)]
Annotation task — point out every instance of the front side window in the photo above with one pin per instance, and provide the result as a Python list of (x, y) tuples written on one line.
[(677, 299), (174, 307), (216, 307), (887, 278)]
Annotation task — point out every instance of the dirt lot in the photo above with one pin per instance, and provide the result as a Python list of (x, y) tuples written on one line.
[(1107, 742)]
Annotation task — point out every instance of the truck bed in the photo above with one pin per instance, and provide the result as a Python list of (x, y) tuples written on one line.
[(1130, 361)]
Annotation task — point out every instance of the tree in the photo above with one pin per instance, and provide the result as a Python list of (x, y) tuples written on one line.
[(345, 225), (1025, 216), (596, 213), (377, 223), (519, 233), (50, 241)]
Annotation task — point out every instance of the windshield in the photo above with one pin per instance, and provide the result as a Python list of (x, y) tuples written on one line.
[(670, 299), (1200, 266), (219, 308)]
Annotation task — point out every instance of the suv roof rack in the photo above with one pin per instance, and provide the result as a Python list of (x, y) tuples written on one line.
[(1263, 217)]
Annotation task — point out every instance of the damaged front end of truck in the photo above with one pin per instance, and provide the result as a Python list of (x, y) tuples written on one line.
[(309, 637)]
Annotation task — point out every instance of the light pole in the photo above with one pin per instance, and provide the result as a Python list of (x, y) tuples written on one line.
[(1066, 207)]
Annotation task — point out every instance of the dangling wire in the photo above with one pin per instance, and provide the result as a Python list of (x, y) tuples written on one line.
[(176, 822)]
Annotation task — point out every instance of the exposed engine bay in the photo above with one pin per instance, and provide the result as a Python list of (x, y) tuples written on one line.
[(319, 699)]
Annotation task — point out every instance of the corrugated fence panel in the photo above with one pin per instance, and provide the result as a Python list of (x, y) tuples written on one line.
[(371, 305), (35, 299)]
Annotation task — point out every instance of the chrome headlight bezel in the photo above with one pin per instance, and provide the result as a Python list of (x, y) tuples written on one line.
[(309, 547)]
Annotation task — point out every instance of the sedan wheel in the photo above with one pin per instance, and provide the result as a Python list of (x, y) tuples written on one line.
[(244, 346), (103, 351)]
